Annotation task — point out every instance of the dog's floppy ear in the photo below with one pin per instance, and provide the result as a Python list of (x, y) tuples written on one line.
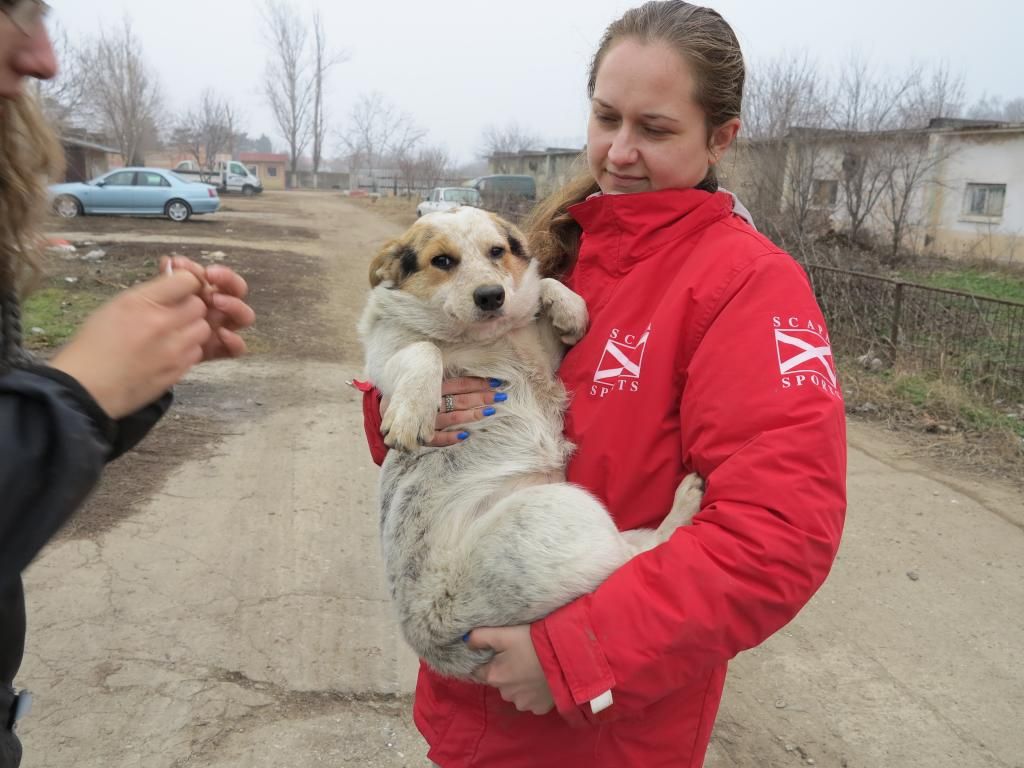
[(386, 265), (515, 238)]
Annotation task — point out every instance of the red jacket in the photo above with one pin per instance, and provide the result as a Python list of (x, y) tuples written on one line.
[(706, 352)]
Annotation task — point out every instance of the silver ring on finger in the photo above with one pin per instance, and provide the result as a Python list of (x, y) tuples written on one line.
[(449, 403)]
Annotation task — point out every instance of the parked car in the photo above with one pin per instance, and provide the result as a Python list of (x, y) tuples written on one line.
[(135, 191), (230, 176), (446, 198), (500, 190)]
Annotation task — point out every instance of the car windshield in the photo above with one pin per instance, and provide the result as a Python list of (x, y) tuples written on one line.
[(176, 177), (461, 196)]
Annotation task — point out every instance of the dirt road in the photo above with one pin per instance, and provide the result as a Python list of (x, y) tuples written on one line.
[(220, 603)]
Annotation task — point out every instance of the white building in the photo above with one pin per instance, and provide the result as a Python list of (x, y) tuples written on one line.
[(955, 188), (976, 205)]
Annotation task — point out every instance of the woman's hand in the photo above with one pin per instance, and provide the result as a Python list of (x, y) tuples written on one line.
[(515, 670), (463, 401), (224, 292), (138, 345)]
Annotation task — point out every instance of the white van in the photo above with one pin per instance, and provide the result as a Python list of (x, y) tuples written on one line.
[(446, 198), (229, 176)]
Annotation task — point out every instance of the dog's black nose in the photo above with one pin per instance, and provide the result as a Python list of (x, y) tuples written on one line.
[(489, 297)]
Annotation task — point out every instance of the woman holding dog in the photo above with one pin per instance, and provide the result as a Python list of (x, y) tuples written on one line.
[(706, 353), (61, 422)]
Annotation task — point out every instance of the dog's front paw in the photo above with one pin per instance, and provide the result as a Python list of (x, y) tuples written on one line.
[(566, 310), (407, 425)]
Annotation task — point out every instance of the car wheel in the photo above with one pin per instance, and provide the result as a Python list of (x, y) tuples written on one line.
[(178, 210), (248, 190), (67, 207)]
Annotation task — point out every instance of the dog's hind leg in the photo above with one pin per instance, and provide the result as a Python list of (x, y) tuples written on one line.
[(536, 550), (684, 506)]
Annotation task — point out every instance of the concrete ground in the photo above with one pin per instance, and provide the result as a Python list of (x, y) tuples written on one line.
[(236, 615)]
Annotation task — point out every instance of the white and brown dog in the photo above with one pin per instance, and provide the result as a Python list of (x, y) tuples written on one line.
[(485, 533)]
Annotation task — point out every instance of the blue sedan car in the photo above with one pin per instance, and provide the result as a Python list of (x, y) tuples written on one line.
[(136, 191)]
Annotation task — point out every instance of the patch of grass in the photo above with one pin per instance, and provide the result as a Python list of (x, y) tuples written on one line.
[(56, 312), (981, 282), (987, 436), (913, 389), (401, 210)]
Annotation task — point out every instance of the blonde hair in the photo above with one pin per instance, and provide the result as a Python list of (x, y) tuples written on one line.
[(29, 155), (706, 41)]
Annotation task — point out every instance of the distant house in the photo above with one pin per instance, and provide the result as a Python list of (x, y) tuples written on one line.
[(270, 167), (977, 203), (85, 159), (550, 168), (959, 183)]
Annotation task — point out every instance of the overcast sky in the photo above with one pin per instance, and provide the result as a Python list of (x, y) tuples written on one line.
[(457, 65)]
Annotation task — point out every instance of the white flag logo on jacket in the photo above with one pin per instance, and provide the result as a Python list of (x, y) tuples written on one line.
[(804, 351), (622, 360)]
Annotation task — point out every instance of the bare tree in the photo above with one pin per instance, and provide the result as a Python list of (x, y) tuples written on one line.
[(861, 145), (123, 90), (909, 159), (807, 200), (427, 168), (866, 105), (435, 165), (931, 93), (208, 129), (377, 129), (910, 156), (508, 139), (409, 169), (323, 61), (64, 98), (289, 85), (1013, 110), (994, 108), (785, 110)]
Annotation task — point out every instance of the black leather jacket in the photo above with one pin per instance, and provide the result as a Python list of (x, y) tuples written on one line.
[(54, 442)]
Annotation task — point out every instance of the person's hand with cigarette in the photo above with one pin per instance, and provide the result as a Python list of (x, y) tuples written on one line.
[(144, 340), (224, 292)]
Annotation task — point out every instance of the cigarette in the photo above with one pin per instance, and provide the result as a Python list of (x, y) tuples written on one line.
[(170, 270)]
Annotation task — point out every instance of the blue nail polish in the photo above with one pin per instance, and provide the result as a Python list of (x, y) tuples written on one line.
[(462, 435), (465, 638), (501, 397), (489, 411), (494, 383)]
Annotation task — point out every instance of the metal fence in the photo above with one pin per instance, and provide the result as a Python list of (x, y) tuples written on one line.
[(976, 341)]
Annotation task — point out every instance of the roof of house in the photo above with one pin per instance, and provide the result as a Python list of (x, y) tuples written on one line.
[(959, 122), (71, 141), (935, 125), (539, 152), (262, 157)]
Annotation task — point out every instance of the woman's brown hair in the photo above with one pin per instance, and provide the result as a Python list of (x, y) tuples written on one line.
[(29, 155), (703, 38)]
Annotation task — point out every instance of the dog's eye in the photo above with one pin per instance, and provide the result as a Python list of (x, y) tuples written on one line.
[(443, 261), (497, 252)]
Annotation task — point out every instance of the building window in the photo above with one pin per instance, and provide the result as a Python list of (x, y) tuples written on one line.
[(272, 171), (984, 200), (825, 193)]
